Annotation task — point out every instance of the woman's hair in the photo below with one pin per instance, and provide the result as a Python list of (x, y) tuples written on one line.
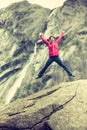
[(52, 36)]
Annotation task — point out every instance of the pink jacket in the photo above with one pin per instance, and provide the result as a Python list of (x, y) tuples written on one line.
[(53, 47)]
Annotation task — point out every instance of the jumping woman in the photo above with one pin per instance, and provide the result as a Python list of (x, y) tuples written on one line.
[(53, 44)]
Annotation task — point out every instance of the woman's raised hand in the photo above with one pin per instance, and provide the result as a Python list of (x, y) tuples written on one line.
[(63, 33), (40, 33)]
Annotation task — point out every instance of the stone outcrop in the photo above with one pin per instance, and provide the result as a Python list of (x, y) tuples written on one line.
[(62, 107)]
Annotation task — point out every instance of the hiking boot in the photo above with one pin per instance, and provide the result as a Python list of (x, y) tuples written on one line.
[(71, 75), (38, 76)]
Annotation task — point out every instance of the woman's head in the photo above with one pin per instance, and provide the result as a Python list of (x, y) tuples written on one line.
[(52, 38)]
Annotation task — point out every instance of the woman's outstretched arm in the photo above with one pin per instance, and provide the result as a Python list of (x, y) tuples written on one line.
[(43, 38), (60, 38)]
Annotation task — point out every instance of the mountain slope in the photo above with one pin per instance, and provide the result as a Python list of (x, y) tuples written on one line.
[(72, 19), (20, 24), (19, 31), (23, 56)]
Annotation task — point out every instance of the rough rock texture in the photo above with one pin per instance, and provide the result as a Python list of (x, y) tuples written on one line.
[(63, 107), (19, 31)]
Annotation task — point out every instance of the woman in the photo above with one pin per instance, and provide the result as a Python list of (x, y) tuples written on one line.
[(52, 44)]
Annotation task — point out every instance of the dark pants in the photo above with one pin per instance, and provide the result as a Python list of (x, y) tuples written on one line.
[(58, 61)]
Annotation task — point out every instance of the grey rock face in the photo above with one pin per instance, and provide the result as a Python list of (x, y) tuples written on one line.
[(20, 24), (61, 107)]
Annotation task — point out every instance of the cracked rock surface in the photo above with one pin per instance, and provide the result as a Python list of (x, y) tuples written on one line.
[(63, 107)]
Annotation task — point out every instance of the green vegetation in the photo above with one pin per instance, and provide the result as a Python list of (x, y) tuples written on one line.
[(2, 102), (8, 59)]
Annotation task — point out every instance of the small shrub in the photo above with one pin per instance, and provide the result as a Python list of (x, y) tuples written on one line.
[(9, 59)]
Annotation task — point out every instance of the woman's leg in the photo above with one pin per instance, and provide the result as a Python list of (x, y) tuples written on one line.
[(49, 61), (58, 60)]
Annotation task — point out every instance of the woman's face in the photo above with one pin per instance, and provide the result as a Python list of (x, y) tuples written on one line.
[(52, 39)]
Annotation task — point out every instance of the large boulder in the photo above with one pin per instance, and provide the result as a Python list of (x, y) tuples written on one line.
[(62, 107)]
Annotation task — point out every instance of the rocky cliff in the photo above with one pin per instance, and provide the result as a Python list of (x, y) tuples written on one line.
[(72, 18), (22, 55), (63, 107), (20, 25)]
